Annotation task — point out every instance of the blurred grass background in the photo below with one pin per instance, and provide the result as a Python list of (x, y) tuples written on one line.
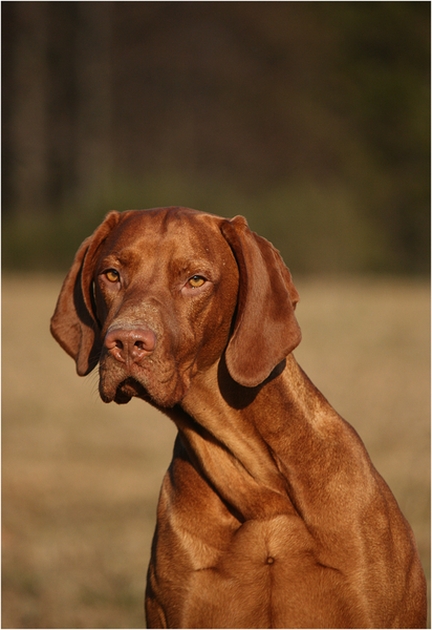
[(312, 120)]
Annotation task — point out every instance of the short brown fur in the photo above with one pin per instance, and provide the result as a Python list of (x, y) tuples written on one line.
[(271, 514)]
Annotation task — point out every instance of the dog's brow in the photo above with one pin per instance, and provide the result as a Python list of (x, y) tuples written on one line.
[(124, 257)]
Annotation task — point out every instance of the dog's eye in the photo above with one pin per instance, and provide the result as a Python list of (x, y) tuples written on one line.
[(196, 282), (112, 275)]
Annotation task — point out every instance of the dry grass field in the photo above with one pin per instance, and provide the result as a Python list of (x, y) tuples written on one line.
[(81, 478)]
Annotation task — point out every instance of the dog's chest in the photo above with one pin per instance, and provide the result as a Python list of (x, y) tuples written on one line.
[(258, 565)]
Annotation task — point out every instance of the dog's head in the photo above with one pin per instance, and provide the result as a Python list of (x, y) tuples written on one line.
[(156, 296)]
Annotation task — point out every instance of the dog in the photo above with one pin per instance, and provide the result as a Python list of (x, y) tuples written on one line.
[(271, 514)]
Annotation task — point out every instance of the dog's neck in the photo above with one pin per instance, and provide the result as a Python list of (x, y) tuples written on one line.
[(256, 446)]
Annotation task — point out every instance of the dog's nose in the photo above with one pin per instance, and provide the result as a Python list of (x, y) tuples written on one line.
[(130, 345)]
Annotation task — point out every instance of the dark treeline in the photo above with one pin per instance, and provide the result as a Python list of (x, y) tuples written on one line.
[(311, 118)]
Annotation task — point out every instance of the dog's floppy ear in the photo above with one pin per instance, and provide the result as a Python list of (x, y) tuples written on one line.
[(74, 323), (265, 330)]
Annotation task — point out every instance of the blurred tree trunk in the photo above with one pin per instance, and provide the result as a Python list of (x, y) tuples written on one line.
[(28, 122), (94, 107)]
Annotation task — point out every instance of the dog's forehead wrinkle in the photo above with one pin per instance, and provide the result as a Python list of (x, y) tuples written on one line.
[(188, 256), (188, 239)]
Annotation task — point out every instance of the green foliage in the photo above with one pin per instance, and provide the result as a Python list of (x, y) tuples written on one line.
[(310, 118)]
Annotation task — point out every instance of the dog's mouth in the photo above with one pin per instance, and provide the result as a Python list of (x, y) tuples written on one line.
[(126, 390), (160, 390)]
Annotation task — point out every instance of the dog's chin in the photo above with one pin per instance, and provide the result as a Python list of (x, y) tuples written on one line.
[(132, 388)]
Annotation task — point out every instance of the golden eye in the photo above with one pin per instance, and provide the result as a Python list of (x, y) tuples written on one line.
[(196, 281), (112, 275)]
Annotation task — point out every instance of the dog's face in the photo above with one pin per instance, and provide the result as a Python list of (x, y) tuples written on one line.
[(167, 288), (158, 296)]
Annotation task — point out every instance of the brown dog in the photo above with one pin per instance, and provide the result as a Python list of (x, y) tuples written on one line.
[(271, 514)]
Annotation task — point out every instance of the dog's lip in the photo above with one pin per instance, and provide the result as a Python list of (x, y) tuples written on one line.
[(123, 392), (128, 389), (120, 383)]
